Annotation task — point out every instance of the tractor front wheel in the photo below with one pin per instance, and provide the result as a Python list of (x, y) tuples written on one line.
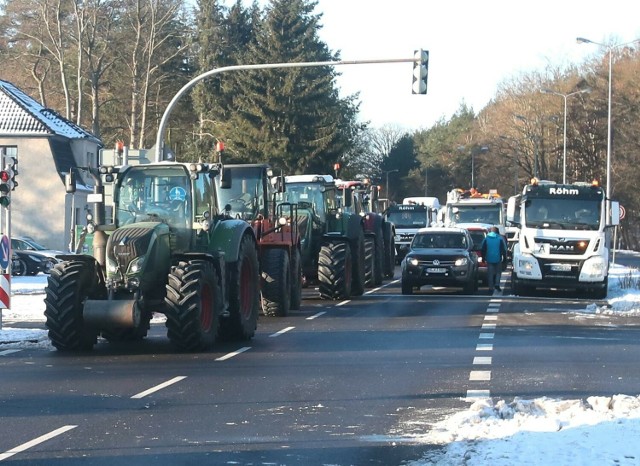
[(68, 286), (194, 302)]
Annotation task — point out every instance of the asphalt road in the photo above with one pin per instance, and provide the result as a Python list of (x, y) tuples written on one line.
[(341, 383)]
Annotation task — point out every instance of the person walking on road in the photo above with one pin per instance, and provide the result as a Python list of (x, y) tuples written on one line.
[(494, 250)]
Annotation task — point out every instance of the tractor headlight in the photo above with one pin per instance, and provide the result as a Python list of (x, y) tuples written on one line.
[(112, 267), (136, 264)]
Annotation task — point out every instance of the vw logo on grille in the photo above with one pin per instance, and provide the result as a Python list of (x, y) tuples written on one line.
[(436, 262)]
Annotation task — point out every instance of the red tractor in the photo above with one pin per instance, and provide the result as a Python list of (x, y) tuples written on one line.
[(246, 192)]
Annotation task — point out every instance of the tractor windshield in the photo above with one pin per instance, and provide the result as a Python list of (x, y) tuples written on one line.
[(245, 198), (312, 196), (146, 193)]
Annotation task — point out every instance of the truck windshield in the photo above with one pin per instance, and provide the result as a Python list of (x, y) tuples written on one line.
[(565, 214), (408, 218), (154, 194), (491, 214)]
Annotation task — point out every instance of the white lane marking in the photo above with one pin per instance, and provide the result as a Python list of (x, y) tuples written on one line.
[(473, 395), (480, 376), (35, 441), (284, 330), (343, 303), (480, 360), (158, 387), (316, 315), (488, 326), (486, 336), (492, 309), (9, 351), (234, 353), (484, 347), (490, 317)]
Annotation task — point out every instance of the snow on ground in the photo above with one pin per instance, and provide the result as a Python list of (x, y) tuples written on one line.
[(595, 431)]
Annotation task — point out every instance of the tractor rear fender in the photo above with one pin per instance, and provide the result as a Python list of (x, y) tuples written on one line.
[(227, 236), (373, 223)]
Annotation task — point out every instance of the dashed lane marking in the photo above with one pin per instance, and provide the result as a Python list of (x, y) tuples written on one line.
[(488, 326), (482, 360), (284, 330), (484, 347), (486, 336), (158, 387), (234, 353), (9, 351), (35, 441), (479, 376), (315, 316)]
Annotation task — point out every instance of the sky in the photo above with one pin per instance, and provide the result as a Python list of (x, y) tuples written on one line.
[(473, 47), (535, 432)]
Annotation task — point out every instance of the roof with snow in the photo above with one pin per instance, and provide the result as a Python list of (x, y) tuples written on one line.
[(20, 115)]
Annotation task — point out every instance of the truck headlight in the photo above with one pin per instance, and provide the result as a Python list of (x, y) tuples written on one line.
[(396, 237), (594, 267), (461, 262), (525, 265), (413, 261)]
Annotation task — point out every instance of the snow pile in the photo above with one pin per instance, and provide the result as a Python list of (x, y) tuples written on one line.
[(600, 430)]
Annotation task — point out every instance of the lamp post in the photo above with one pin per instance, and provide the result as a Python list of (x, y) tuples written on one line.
[(610, 47), (564, 149), (387, 175)]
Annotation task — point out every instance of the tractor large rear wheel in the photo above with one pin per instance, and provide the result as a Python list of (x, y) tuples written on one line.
[(276, 282), (369, 261), (244, 294), (68, 286), (194, 302), (389, 251), (334, 270), (379, 259), (296, 279), (358, 277)]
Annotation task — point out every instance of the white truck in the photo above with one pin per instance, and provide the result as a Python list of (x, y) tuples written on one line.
[(466, 208), (564, 237), (407, 219)]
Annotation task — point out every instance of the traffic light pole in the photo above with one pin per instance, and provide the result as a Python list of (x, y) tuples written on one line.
[(5, 230), (420, 60)]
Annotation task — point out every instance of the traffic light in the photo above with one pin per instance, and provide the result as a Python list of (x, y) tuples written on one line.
[(5, 188), (420, 71), (11, 165)]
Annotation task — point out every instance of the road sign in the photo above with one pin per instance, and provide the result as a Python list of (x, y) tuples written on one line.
[(623, 212), (5, 258)]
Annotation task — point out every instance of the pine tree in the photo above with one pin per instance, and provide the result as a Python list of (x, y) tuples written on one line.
[(292, 118)]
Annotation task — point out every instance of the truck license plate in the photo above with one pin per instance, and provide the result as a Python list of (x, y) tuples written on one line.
[(436, 270), (561, 267)]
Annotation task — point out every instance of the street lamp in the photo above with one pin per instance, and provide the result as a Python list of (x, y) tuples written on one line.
[(564, 150), (610, 47), (387, 175)]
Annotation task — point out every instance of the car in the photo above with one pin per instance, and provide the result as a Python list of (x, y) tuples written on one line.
[(28, 263), (478, 234), (27, 244), (441, 257)]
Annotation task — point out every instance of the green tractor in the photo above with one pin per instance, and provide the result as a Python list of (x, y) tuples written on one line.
[(168, 249), (332, 236)]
